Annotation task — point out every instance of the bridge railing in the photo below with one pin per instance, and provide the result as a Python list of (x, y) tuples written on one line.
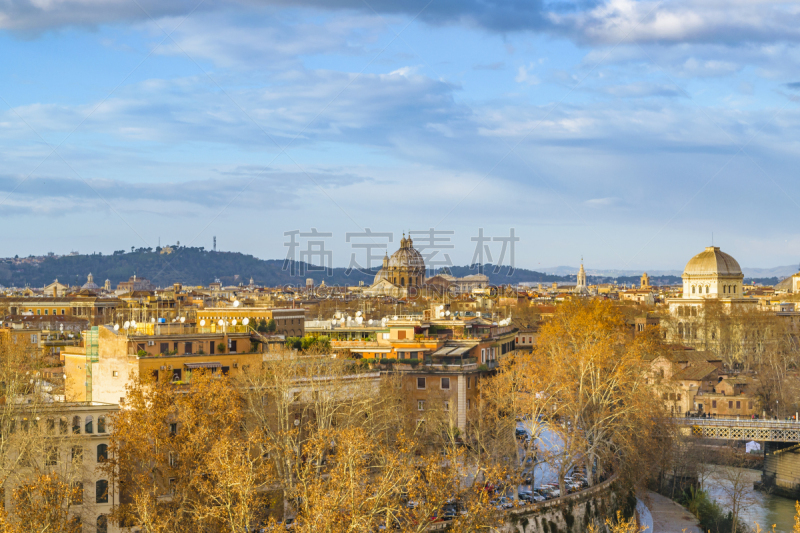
[(734, 422)]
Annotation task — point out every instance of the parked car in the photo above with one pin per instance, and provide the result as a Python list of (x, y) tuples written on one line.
[(502, 503)]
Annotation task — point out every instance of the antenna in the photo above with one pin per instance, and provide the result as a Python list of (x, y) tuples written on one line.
[(215, 243)]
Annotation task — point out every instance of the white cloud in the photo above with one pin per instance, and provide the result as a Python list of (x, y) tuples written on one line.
[(524, 75)]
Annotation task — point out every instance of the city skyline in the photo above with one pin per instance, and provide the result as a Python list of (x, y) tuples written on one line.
[(626, 132)]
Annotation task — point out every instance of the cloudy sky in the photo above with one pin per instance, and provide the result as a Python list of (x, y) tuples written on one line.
[(626, 132)]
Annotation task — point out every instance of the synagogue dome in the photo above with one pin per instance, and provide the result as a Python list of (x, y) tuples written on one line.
[(712, 261)]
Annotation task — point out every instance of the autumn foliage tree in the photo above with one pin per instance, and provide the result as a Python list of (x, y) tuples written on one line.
[(585, 384)]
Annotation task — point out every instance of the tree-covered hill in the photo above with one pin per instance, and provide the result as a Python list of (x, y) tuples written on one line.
[(197, 266)]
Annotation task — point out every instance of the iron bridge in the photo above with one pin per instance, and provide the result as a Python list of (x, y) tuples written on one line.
[(747, 429)]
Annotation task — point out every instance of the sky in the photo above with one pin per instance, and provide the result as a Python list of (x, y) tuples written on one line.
[(627, 133)]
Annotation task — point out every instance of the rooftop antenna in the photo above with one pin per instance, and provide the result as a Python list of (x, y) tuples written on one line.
[(215, 243)]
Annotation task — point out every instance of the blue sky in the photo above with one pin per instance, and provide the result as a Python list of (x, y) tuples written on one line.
[(622, 131)]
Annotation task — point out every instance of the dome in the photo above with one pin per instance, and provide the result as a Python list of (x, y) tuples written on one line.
[(712, 261), (407, 258)]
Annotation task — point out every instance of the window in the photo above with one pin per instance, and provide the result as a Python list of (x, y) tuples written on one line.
[(102, 453), (420, 405), (89, 425), (173, 428), (446, 406), (714, 404), (469, 405), (483, 355), (401, 334), (77, 454), (173, 459), (52, 456), (749, 405), (420, 383), (101, 491), (172, 485), (102, 524), (445, 383), (76, 425), (45, 312), (730, 405), (34, 338), (101, 424), (63, 427), (62, 311), (51, 426), (77, 493), (115, 374), (177, 374), (163, 347), (738, 405), (679, 397), (469, 382)]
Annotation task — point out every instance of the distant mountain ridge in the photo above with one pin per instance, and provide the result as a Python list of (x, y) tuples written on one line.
[(749, 272), (197, 266)]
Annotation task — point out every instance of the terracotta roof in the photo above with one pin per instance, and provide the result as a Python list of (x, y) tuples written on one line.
[(693, 356), (695, 372)]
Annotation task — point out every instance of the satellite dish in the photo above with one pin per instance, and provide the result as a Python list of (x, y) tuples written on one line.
[(116, 327), (359, 319), (221, 322), (441, 307), (394, 317), (233, 322), (358, 313), (246, 321), (202, 323), (126, 325), (133, 323), (369, 321), (183, 319), (152, 320), (236, 303), (447, 313)]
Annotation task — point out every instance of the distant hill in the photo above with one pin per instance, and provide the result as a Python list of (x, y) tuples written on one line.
[(197, 266)]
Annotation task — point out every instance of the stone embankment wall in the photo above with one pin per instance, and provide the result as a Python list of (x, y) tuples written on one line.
[(573, 513), (782, 469)]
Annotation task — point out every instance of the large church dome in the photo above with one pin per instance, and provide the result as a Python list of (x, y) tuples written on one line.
[(407, 257), (712, 261)]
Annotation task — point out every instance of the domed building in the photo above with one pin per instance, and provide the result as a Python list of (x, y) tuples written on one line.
[(403, 270), (710, 275)]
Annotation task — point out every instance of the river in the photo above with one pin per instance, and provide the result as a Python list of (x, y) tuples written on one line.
[(758, 507)]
